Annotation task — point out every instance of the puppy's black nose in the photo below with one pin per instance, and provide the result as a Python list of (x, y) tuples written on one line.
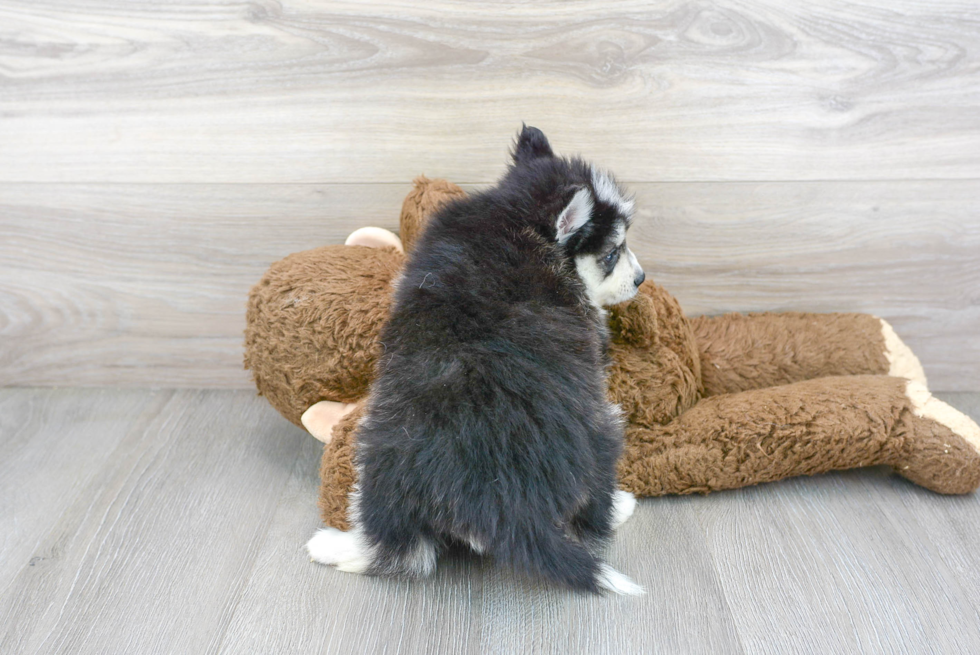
[(638, 280)]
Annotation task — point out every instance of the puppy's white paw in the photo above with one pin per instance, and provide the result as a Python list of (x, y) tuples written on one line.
[(623, 505), (341, 549), (613, 580)]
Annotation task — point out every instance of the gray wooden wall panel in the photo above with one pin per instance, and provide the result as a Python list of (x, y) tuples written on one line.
[(906, 251), (146, 284), (138, 285), (156, 158), (374, 91)]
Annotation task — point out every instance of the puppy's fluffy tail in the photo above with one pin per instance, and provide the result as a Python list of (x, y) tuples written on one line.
[(558, 558)]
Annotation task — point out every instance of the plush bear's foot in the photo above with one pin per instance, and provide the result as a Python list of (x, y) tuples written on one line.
[(340, 549), (902, 362), (624, 503), (942, 450)]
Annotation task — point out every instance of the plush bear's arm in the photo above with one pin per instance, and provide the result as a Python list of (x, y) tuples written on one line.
[(810, 427), (754, 351)]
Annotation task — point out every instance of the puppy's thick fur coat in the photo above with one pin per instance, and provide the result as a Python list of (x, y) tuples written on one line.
[(488, 424)]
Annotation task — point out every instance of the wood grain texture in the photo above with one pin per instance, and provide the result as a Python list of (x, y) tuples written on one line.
[(151, 555), (145, 285), (839, 564), (908, 252), (42, 465), (662, 548), (157, 157), (293, 605), (375, 91), (181, 528)]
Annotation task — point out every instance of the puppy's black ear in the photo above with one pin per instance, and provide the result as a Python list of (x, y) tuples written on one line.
[(531, 144), (576, 214)]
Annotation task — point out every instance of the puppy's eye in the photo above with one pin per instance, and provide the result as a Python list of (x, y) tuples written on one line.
[(611, 257)]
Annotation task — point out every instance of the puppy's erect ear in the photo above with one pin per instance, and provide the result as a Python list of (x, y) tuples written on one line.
[(576, 214), (531, 144)]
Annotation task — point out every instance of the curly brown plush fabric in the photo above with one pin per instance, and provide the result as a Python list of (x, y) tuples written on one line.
[(425, 197), (798, 346), (337, 474), (711, 402), (733, 440), (305, 339), (656, 372)]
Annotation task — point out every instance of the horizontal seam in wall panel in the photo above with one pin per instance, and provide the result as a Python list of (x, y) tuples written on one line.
[(470, 183), (249, 387)]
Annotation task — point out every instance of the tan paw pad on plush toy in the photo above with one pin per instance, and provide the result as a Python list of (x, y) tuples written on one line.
[(902, 362), (320, 419), (927, 406), (374, 237), (711, 402)]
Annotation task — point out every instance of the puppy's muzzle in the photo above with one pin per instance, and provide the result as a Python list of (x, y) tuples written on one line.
[(638, 274)]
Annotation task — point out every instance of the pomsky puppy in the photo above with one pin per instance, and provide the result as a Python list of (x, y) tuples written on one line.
[(488, 423)]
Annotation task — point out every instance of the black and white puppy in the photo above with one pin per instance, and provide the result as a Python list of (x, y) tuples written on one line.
[(488, 424)]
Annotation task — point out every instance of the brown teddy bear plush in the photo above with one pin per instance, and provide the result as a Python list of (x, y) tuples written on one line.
[(711, 402)]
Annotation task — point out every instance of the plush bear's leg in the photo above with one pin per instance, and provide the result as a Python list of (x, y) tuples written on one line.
[(756, 436), (756, 351), (337, 473), (805, 428), (944, 442)]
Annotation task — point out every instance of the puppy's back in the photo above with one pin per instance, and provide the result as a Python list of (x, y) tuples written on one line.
[(481, 424), (488, 423)]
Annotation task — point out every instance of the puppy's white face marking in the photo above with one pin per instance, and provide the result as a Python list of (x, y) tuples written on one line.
[(607, 288), (608, 192)]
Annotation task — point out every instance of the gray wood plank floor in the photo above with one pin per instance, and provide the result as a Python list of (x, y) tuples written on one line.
[(161, 521)]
